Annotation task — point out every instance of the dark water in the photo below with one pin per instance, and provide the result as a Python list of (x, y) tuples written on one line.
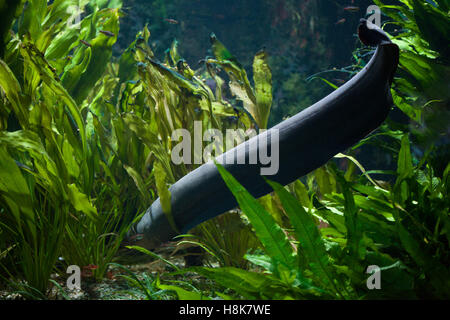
[(302, 37)]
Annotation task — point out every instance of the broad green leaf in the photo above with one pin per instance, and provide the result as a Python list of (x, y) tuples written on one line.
[(249, 284), (15, 192), (139, 182), (241, 93), (404, 164), (436, 272), (355, 247), (81, 202), (143, 131), (127, 70), (61, 44), (307, 233), (267, 230), (28, 141), (325, 181), (221, 52), (183, 294), (101, 46), (78, 66), (263, 261), (13, 91), (34, 57), (177, 78), (175, 57), (302, 193), (262, 76), (218, 108), (434, 25), (164, 194), (33, 16), (8, 11)]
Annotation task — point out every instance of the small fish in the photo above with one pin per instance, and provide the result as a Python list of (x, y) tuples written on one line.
[(107, 33), (171, 21), (136, 237), (339, 81), (322, 224), (21, 165), (110, 275), (87, 271), (351, 9), (87, 44), (340, 21)]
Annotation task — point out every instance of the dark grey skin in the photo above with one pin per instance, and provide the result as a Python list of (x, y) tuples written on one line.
[(306, 141)]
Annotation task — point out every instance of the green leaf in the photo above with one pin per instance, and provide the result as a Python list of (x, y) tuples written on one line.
[(332, 85), (307, 233), (302, 193), (221, 52), (355, 247), (267, 230), (434, 24), (143, 131), (164, 194), (251, 285), (28, 141), (177, 78), (8, 11), (101, 47), (139, 182), (33, 16), (13, 91), (61, 44), (262, 76), (263, 261), (35, 58), (401, 103), (154, 255), (404, 164), (182, 294), (325, 181), (78, 66), (15, 192), (81, 202)]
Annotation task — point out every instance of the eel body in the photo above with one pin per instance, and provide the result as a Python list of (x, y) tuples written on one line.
[(306, 141)]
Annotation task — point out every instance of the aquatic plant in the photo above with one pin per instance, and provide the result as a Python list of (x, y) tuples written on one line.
[(85, 148), (397, 224), (421, 89), (364, 225), (80, 129)]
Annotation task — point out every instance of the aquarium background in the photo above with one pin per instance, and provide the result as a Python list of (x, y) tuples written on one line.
[(301, 37)]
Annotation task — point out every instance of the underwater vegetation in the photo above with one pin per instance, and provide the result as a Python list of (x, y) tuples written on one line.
[(86, 141)]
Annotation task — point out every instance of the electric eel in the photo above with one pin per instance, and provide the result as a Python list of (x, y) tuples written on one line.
[(306, 141)]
